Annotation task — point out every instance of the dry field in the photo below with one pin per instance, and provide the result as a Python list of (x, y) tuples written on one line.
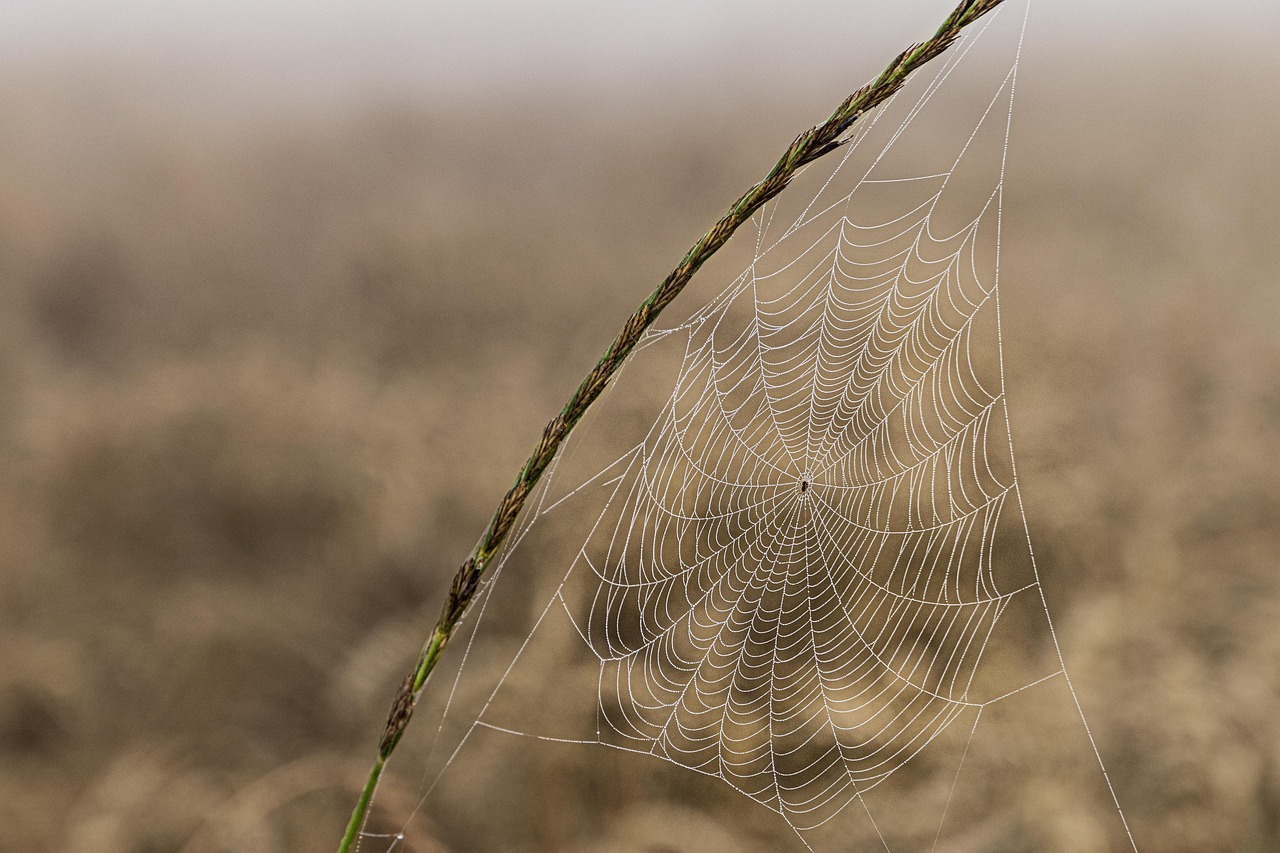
[(264, 376)]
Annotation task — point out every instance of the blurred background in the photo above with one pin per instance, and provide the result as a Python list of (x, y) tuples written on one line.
[(287, 291)]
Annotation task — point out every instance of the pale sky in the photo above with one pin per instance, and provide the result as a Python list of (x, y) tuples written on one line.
[(497, 44)]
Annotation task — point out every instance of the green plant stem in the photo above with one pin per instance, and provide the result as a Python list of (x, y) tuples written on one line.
[(807, 147), (362, 805)]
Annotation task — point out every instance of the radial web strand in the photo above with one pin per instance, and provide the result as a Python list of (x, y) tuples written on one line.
[(808, 575)]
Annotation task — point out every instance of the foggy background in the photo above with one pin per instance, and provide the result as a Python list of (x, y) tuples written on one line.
[(489, 46), (287, 292)]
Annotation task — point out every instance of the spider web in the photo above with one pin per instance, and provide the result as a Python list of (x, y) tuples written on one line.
[(792, 579)]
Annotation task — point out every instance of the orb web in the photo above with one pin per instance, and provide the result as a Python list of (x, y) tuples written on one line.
[(791, 580)]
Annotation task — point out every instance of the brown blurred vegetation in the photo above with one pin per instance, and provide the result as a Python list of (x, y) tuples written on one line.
[(264, 375)]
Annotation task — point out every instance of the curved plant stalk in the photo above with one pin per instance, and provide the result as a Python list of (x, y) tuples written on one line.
[(807, 147)]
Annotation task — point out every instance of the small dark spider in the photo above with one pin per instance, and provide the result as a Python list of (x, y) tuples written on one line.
[(804, 485)]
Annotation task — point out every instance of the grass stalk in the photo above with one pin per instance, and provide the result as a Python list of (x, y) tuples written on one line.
[(815, 142)]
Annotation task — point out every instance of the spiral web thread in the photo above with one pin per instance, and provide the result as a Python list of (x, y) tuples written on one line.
[(792, 580)]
